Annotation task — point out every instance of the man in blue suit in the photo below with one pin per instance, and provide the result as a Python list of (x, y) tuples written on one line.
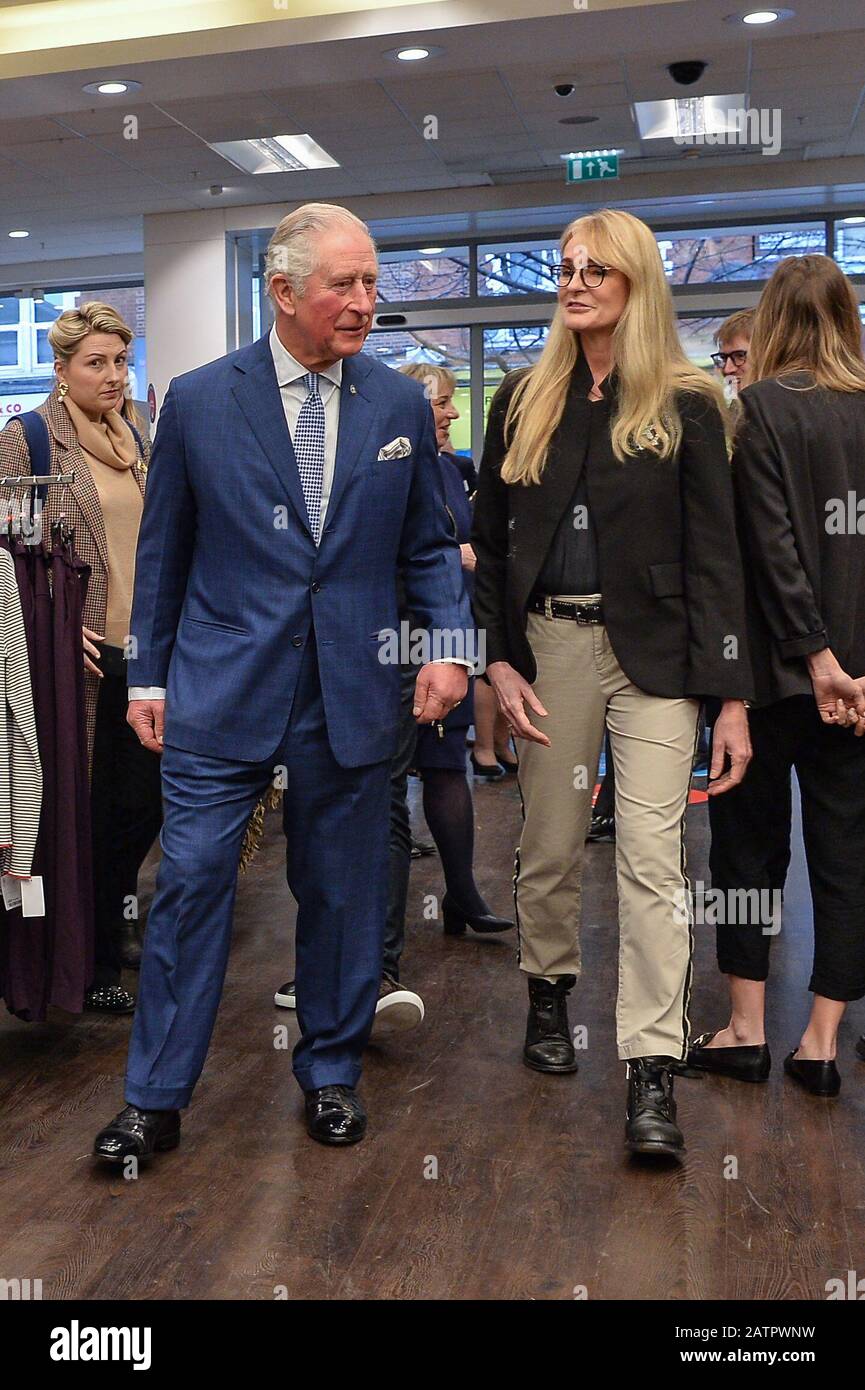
[(288, 484)]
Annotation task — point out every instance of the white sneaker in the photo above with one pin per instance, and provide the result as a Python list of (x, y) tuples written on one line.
[(398, 1010), (285, 997)]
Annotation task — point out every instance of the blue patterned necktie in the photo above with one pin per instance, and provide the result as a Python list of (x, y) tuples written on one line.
[(308, 443)]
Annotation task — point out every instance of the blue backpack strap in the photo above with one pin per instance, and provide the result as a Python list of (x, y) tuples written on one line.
[(138, 440), (38, 445)]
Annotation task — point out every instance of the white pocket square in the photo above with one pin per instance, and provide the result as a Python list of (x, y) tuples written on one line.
[(398, 448)]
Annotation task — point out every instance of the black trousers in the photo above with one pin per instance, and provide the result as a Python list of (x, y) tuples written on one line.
[(751, 828), (126, 811)]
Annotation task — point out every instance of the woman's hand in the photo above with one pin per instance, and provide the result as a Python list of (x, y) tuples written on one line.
[(89, 639), (513, 694), (468, 558), (730, 739), (840, 698)]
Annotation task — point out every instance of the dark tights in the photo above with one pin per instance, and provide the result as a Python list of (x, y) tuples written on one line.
[(447, 805)]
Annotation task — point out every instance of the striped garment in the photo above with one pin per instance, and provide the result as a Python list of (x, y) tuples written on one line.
[(20, 768)]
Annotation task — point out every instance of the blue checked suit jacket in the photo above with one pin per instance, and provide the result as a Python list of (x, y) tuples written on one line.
[(228, 580)]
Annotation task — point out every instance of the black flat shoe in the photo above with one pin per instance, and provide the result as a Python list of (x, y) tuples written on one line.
[(420, 849), (491, 772), (820, 1078), (334, 1115), (860, 1047), (650, 1127), (749, 1063), (456, 921), (109, 999), (510, 765), (136, 1133), (549, 1045)]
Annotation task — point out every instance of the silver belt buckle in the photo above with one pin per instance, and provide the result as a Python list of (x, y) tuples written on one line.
[(548, 608)]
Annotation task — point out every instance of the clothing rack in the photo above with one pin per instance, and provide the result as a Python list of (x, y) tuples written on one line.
[(37, 479), (36, 482)]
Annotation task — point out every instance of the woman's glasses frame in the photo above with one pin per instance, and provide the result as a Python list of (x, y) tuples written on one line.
[(596, 274)]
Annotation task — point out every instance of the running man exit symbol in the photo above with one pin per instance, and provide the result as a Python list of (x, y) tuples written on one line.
[(584, 168)]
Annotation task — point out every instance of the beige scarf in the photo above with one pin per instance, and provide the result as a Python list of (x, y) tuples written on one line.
[(110, 439)]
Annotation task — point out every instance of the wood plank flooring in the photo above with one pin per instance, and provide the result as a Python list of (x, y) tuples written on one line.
[(534, 1197)]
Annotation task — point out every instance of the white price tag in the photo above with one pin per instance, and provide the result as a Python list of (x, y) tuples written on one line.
[(32, 897)]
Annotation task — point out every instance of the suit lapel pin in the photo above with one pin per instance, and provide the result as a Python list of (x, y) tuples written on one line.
[(353, 390)]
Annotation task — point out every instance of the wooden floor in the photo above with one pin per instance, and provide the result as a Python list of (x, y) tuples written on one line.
[(534, 1196)]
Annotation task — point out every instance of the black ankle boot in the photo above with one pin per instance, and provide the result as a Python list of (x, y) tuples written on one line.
[(548, 1035), (651, 1124)]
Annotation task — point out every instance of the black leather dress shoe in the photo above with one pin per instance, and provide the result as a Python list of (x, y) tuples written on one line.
[(334, 1115), (136, 1133), (820, 1078), (751, 1063), (548, 1045), (129, 943), (456, 921), (651, 1126), (601, 829), (860, 1047)]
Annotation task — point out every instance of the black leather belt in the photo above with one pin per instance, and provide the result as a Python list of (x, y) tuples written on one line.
[(583, 613)]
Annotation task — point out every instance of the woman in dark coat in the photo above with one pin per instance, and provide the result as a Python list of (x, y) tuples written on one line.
[(799, 471)]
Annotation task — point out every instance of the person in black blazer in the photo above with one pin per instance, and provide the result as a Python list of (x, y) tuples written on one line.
[(799, 471), (610, 590)]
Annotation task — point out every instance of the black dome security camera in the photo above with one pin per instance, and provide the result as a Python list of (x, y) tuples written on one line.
[(687, 72), (564, 89)]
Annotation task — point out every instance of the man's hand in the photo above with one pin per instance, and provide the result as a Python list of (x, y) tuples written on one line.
[(468, 557), (513, 694), (439, 688), (730, 739), (840, 698), (147, 718)]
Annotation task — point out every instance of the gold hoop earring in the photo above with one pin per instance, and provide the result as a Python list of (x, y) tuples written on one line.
[(62, 389)]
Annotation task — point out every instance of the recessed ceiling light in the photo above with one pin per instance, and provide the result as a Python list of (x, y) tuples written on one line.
[(413, 53), (758, 17), (430, 250), (19, 234), (687, 117), (111, 87), (275, 154), (850, 220)]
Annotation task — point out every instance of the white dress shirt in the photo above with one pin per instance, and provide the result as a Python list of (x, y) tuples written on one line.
[(289, 375)]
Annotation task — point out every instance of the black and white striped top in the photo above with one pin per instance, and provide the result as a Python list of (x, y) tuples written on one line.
[(20, 768)]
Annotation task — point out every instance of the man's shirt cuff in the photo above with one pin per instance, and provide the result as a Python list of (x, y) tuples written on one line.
[(146, 692)]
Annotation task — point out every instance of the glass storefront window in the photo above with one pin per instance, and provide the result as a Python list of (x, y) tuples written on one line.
[(518, 267), (509, 347), (420, 274), (850, 247), (735, 253), (697, 335)]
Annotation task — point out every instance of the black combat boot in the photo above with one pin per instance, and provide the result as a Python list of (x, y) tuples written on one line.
[(549, 1046), (651, 1124)]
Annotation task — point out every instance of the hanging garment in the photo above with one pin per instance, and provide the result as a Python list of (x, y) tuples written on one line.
[(20, 767)]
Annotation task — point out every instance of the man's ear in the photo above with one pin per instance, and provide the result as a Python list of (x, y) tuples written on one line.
[(283, 295)]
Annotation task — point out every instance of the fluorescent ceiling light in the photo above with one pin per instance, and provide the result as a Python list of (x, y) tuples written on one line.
[(412, 55), (19, 234), (275, 154), (683, 116)]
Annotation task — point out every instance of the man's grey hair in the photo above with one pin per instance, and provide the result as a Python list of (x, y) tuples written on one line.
[(292, 250)]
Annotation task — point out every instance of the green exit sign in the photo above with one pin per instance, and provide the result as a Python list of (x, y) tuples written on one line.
[(586, 167)]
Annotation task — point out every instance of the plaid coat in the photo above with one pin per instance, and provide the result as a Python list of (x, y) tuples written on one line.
[(82, 509)]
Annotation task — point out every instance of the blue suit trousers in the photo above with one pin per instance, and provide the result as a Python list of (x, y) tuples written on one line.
[(336, 829)]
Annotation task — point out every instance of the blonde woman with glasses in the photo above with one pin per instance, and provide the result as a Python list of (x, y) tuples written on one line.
[(610, 586)]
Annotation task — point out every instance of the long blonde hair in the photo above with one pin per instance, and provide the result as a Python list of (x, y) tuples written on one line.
[(650, 361), (808, 320)]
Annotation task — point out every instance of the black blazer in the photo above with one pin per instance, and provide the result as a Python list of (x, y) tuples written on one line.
[(799, 455), (671, 573)]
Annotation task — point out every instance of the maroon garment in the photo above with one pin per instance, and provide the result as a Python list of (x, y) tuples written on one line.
[(49, 960)]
